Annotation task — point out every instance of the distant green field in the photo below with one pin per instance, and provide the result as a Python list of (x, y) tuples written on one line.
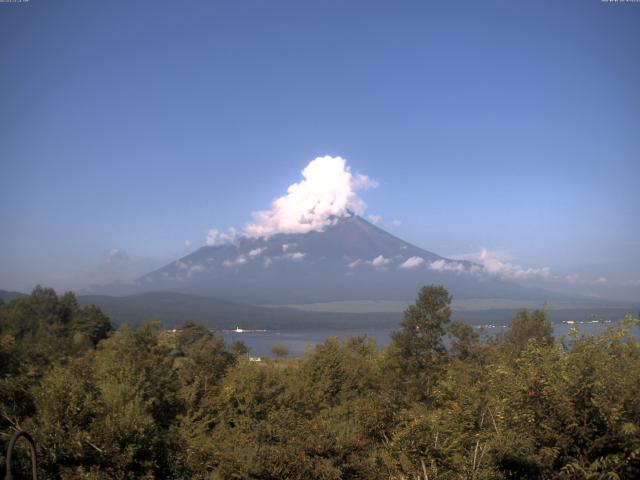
[(472, 304), (172, 309)]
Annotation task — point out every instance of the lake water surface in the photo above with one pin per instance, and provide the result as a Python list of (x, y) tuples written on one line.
[(260, 343)]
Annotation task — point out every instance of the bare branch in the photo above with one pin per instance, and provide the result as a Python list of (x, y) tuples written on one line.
[(98, 449), (495, 426), (424, 469)]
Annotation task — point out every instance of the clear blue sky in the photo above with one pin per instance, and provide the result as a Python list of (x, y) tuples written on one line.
[(511, 126)]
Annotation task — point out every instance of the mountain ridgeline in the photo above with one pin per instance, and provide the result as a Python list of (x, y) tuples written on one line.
[(350, 259), (250, 281)]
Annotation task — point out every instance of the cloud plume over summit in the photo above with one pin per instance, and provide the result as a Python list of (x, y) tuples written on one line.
[(327, 190)]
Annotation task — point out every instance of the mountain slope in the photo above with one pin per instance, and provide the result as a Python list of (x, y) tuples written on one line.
[(174, 308), (351, 259), (7, 296)]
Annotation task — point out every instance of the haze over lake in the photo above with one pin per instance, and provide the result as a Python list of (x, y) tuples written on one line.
[(298, 342)]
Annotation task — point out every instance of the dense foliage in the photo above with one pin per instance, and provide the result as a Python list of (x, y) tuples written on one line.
[(438, 403)]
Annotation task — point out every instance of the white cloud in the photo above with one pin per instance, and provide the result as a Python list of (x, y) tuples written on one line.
[(195, 269), (113, 265), (576, 279), (395, 223), (492, 265), (116, 265), (294, 256), (216, 237), (412, 262), (213, 237), (510, 270), (573, 278), (379, 261), (502, 255), (188, 243), (239, 260), (256, 252), (375, 219), (355, 263), (328, 190), (181, 265), (287, 246), (116, 255), (446, 266)]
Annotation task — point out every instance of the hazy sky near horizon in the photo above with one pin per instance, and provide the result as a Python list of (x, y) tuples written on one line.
[(128, 128)]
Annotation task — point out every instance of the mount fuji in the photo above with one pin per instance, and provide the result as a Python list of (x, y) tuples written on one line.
[(350, 259)]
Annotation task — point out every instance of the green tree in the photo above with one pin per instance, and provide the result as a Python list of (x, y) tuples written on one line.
[(465, 341), (137, 390), (417, 353), (528, 326), (280, 351)]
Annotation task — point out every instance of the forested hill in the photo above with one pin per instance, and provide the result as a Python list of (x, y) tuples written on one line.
[(7, 296), (105, 403), (171, 309), (174, 308)]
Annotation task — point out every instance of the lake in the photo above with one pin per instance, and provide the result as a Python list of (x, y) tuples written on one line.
[(260, 343)]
